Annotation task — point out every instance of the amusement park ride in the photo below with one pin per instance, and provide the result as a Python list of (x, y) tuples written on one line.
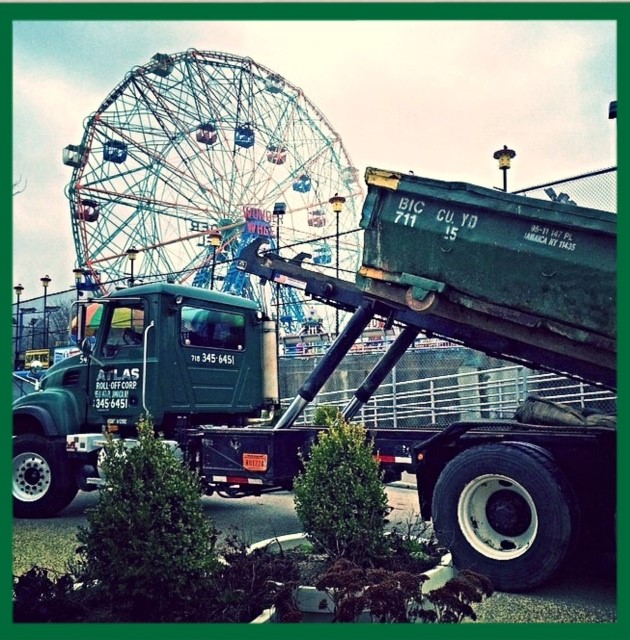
[(195, 155)]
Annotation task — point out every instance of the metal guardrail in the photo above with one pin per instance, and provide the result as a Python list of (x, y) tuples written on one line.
[(488, 393)]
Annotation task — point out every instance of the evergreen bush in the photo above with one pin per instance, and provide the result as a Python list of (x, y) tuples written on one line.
[(324, 414), (148, 549), (339, 497)]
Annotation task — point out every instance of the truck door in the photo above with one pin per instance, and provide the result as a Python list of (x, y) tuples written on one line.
[(216, 353), (116, 370)]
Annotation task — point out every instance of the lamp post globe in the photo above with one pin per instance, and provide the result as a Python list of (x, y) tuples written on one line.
[(132, 254), (504, 156), (78, 274)]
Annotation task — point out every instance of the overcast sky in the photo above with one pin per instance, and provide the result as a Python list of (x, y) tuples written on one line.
[(437, 98)]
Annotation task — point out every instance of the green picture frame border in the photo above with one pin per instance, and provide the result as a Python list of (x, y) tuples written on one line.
[(264, 11)]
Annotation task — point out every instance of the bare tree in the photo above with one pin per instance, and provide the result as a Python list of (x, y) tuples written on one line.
[(19, 186), (58, 323)]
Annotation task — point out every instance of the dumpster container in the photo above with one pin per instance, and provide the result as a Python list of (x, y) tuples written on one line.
[(446, 248)]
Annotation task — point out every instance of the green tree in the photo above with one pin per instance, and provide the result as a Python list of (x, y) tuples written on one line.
[(340, 498), (148, 549)]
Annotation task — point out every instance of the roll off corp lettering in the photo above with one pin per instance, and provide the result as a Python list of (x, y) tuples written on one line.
[(113, 387)]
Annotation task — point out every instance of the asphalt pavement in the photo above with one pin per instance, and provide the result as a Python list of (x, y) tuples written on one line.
[(580, 594)]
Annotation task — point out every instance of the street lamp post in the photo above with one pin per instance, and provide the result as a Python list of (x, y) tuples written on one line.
[(132, 254), (504, 156), (279, 209), (45, 282), (337, 203), (23, 312), (215, 242), (18, 288), (32, 324), (78, 274)]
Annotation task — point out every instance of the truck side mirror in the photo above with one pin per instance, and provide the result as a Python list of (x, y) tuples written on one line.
[(86, 347)]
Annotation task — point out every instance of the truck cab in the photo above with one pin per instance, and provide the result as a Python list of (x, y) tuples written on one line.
[(183, 355)]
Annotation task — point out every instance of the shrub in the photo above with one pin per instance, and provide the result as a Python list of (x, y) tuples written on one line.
[(396, 596), (243, 585), (389, 596), (148, 547), (339, 497), (454, 601), (411, 547), (39, 596), (324, 415)]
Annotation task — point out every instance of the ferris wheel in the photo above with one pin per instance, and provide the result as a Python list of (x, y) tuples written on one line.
[(194, 155)]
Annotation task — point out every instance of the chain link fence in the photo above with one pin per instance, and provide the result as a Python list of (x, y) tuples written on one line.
[(34, 329), (437, 385), (597, 190)]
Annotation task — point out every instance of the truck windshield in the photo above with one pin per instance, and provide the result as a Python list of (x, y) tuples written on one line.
[(212, 328)]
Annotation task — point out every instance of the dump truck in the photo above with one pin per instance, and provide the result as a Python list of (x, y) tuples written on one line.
[(517, 278)]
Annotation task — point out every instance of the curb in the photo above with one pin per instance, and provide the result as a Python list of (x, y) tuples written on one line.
[(403, 485), (312, 598)]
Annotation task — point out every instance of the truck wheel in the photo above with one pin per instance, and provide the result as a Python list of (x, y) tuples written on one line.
[(507, 512), (42, 484)]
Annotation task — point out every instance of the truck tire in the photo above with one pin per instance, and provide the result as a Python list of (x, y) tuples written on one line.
[(505, 511), (42, 484)]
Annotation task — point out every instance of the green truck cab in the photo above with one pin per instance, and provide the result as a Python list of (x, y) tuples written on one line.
[(185, 356)]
